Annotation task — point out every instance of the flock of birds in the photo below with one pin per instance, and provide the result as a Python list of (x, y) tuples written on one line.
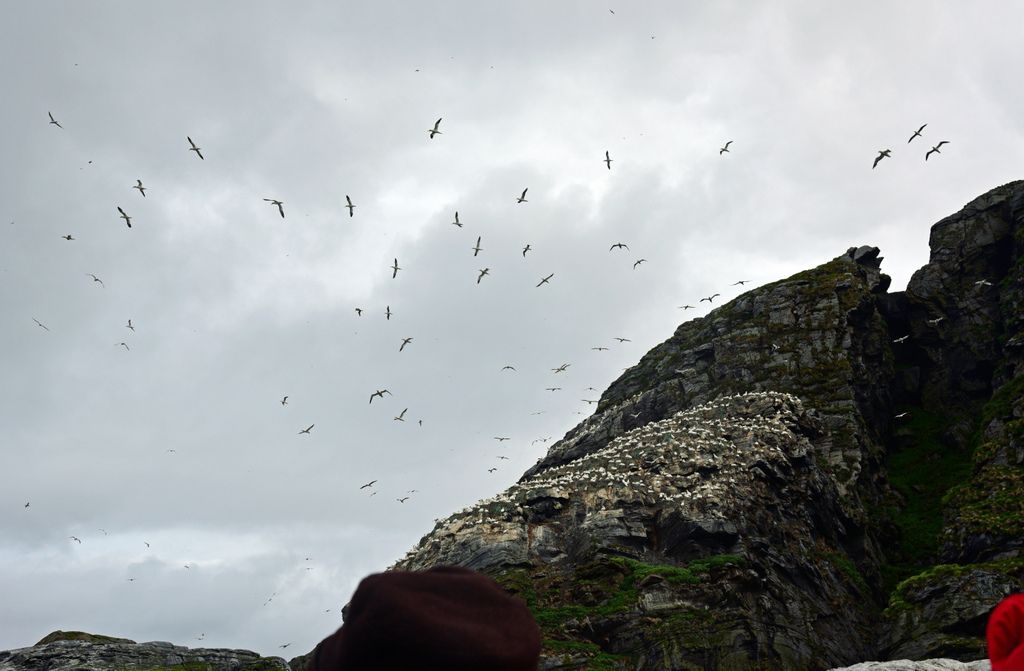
[(432, 132), (886, 153)]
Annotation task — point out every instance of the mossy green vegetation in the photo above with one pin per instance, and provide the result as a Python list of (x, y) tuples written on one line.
[(992, 500), (602, 589), (922, 469), (898, 600)]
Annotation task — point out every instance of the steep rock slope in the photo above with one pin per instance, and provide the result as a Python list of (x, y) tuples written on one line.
[(630, 559)]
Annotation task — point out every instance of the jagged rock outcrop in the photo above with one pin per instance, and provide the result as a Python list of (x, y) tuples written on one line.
[(79, 651), (716, 535), (631, 552)]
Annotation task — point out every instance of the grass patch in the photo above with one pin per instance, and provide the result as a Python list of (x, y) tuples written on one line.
[(923, 469)]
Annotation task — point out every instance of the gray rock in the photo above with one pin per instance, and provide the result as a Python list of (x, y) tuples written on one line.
[(923, 665)]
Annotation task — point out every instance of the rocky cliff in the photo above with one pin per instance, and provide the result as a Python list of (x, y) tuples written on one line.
[(816, 473), (79, 651)]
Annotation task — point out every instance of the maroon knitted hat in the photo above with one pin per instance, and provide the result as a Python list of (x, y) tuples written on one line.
[(1005, 634), (447, 618)]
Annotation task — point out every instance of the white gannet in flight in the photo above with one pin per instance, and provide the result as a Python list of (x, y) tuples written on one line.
[(280, 205), (127, 219), (935, 149), (457, 222), (476, 248), (395, 268), (195, 148)]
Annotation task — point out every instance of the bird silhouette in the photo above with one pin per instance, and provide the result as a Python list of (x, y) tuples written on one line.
[(280, 205), (608, 160), (307, 429), (138, 185), (54, 121), (483, 271), (433, 131), (917, 133), (457, 222), (544, 280), (725, 149), (127, 219), (350, 206), (405, 341), (522, 198), (395, 270), (882, 153), (935, 149), (194, 148)]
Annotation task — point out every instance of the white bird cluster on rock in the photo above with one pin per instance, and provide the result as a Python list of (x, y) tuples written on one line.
[(694, 461)]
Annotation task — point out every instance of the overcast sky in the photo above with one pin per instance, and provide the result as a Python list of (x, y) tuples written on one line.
[(174, 449)]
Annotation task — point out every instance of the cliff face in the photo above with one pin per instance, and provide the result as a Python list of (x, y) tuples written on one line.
[(760, 486), (79, 651)]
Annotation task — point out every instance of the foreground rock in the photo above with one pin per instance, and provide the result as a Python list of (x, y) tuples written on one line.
[(925, 665), (79, 651)]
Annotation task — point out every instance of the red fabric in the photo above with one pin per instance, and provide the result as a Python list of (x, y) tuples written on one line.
[(1005, 634), (447, 618)]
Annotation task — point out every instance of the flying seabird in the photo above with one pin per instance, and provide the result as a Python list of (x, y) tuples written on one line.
[(96, 279), (552, 389), (935, 322), (195, 148), (476, 248), (501, 438), (882, 153), (401, 416), (740, 282), (483, 271), (709, 299), (28, 503), (67, 237), (622, 339), (620, 245), (350, 206), (368, 484), (285, 645), (901, 339), (387, 312), (280, 205), (526, 249), (491, 470), (76, 539), (502, 457), (379, 392), (284, 401), (405, 341), (433, 131), (359, 312), (457, 222), (902, 414), (395, 268), (307, 429), (403, 499), (54, 121), (508, 368), (127, 219), (917, 133), (138, 185), (561, 369), (608, 160), (522, 198), (587, 400), (599, 348), (544, 280), (685, 307), (129, 325), (982, 283), (935, 149), (725, 148), (638, 262)]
